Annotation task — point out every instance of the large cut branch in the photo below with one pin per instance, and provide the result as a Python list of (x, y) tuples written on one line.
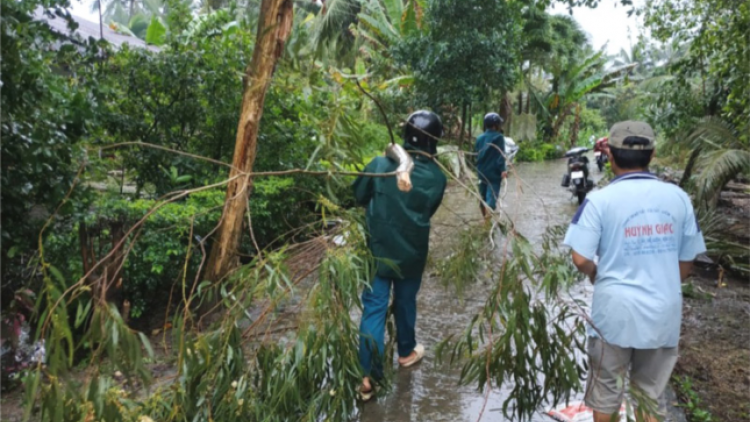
[(274, 26)]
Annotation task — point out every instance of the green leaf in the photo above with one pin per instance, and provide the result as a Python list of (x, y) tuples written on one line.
[(231, 27), (146, 344), (58, 275), (82, 312), (156, 32)]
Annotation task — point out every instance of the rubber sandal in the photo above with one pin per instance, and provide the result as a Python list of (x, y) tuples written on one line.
[(366, 396), (419, 350)]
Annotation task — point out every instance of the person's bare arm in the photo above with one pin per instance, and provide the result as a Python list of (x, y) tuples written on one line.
[(686, 267), (586, 266)]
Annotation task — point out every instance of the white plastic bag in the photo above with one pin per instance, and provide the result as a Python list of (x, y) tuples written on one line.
[(577, 412)]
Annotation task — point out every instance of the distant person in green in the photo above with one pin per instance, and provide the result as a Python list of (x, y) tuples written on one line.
[(399, 230), (491, 167)]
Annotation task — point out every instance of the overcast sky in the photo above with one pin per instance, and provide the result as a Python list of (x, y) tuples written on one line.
[(607, 24)]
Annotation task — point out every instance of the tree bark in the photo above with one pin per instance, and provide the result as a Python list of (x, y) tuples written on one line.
[(576, 126), (506, 112), (528, 101), (463, 128), (274, 27), (689, 167)]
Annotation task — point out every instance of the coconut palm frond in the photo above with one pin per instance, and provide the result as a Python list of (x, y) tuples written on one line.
[(332, 21), (709, 221), (153, 7), (618, 72), (714, 133), (717, 168), (727, 251), (116, 12), (649, 85)]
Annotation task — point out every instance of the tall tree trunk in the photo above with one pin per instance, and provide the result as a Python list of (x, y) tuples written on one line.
[(520, 102), (576, 126), (471, 121), (274, 26), (463, 128), (689, 167), (461, 166), (555, 127), (506, 112), (528, 102)]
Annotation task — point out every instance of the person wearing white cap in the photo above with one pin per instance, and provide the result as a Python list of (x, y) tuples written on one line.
[(646, 236)]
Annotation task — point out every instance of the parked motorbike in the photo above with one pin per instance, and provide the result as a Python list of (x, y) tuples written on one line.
[(577, 177), (511, 149)]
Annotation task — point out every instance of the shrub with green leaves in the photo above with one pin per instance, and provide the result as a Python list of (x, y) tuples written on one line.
[(159, 254), (45, 116), (538, 151), (232, 370)]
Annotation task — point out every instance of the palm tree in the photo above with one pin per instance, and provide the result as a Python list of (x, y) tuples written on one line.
[(331, 37), (383, 24), (719, 154), (553, 43), (570, 84)]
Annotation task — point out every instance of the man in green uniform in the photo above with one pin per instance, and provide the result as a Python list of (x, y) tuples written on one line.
[(399, 230), (491, 167)]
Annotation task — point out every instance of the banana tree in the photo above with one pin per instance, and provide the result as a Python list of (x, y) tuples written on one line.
[(549, 42), (570, 84), (130, 17)]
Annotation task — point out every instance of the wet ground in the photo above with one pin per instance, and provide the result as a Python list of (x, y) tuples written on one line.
[(715, 345), (534, 201)]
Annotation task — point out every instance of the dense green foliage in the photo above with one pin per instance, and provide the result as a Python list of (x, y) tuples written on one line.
[(157, 258), (46, 113), (715, 33), (184, 98), (467, 52), (125, 150)]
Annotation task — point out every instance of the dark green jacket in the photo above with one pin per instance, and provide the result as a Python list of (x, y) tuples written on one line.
[(490, 159), (399, 222)]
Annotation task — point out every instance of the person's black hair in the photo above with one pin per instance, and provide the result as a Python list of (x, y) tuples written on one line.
[(632, 159)]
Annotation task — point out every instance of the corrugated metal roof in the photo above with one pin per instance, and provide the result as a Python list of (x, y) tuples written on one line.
[(88, 29)]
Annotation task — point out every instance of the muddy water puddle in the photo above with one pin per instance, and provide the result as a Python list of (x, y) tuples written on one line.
[(534, 200)]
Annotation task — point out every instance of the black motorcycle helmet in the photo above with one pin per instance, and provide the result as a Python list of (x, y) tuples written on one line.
[(492, 120), (423, 130)]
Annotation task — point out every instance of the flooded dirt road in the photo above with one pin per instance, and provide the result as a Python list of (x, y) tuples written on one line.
[(534, 201)]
